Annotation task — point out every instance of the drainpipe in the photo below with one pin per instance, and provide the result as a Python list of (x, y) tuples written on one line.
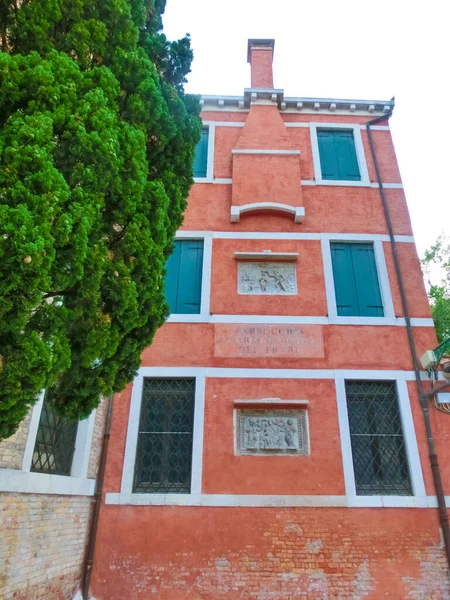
[(89, 561), (423, 397)]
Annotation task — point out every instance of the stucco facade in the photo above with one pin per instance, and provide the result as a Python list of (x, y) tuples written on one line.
[(261, 523)]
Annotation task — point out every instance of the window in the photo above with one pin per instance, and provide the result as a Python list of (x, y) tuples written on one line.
[(55, 442), (201, 154), (184, 277), (164, 447), (338, 160), (378, 449), (356, 283)]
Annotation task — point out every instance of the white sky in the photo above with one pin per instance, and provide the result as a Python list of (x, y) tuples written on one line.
[(350, 49)]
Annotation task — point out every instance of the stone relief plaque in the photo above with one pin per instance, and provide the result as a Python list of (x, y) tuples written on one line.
[(267, 278), (272, 432)]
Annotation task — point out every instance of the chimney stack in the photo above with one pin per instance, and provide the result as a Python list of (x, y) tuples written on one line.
[(260, 57)]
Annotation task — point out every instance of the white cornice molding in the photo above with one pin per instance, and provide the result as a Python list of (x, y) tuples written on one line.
[(296, 320), (267, 373), (271, 501), (277, 235), (333, 106), (285, 235)]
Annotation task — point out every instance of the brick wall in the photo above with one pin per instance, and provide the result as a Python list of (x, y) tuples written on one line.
[(42, 545), (43, 537), (198, 553), (12, 449)]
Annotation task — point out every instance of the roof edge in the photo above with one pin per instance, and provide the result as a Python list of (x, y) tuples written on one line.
[(300, 103)]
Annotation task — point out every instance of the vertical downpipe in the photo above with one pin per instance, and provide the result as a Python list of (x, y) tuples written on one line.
[(89, 562), (423, 398)]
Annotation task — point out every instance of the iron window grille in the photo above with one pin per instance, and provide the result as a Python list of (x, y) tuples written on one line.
[(378, 449), (55, 442), (164, 446)]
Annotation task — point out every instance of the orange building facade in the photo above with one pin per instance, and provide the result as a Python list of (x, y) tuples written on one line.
[(272, 445)]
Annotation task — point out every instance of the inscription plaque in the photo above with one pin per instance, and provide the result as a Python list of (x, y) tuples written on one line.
[(272, 432), (267, 278), (258, 341)]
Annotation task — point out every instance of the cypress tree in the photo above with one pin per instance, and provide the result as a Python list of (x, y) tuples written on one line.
[(97, 140)]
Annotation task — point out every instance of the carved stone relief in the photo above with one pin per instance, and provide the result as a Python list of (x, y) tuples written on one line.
[(272, 432), (267, 278)]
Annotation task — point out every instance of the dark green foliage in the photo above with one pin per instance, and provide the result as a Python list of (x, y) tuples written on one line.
[(436, 264), (97, 142)]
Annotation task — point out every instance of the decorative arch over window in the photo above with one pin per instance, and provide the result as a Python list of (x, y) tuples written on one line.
[(298, 212)]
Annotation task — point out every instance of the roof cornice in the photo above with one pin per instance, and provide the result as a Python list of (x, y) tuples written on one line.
[(296, 104)]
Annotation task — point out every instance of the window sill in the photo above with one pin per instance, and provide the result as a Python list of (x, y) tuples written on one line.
[(154, 499), (12, 480), (337, 320), (219, 180), (343, 182), (189, 318), (384, 321), (393, 501)]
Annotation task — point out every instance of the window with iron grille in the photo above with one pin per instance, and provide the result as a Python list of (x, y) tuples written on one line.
[(378, 449), (164, 447), (55, 442)]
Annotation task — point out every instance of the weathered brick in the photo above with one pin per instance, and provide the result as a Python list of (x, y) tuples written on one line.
[(41, 562)]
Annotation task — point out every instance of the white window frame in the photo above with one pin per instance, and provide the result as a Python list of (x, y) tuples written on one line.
[(211, 125), (383, 280), (203, 316), (359, 148), (77, 484), (126, 490), (409, 436)]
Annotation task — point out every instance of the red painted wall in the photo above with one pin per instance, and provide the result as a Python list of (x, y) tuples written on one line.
[(273, 552), (193, 553), (328, 209)]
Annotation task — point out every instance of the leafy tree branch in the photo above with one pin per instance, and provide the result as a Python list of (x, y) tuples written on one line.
[(436, 266), (97, 141)]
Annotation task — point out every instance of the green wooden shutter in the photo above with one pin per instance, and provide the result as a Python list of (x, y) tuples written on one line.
[(190, 279), (344, 280), (356, 280), (337, 153), (201, 154), (328, 160), (184, 277), (366, 278), (172, 277), (344, 144)]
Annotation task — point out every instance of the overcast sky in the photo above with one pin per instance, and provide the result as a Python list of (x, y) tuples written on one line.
[(352, 49)]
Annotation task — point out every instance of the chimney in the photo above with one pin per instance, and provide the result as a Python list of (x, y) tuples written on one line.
[(260, 56)]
